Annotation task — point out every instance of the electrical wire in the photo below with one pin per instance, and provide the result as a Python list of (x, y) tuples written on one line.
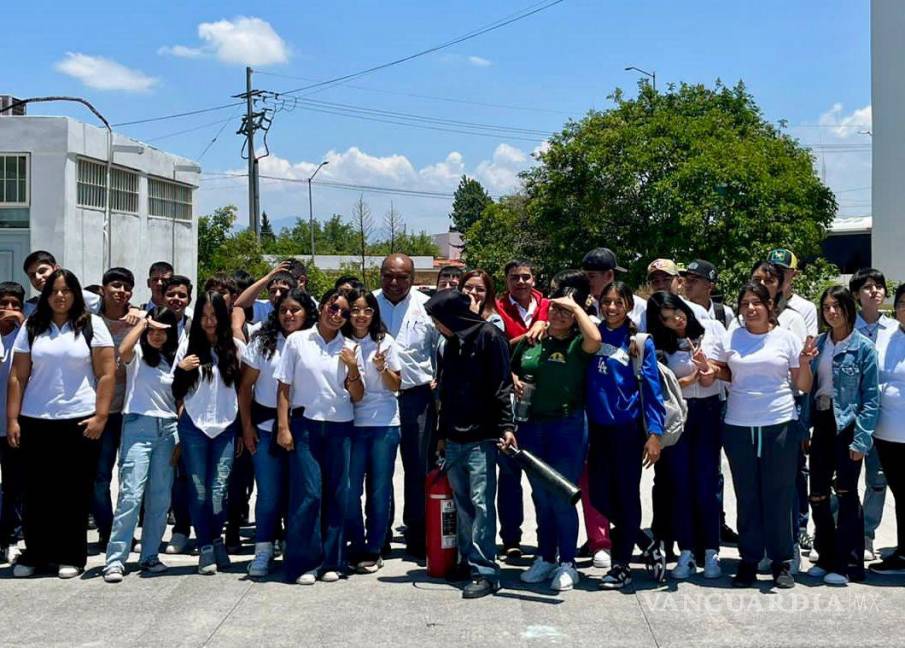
[(183, 114), (517, 16)]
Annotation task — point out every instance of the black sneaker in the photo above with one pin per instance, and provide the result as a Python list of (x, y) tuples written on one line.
[(805, 542), (480, 587), (746, 576), (782, 575), (617, 578), (727, 535), (655, 561), (584, 551), (893, 565), (233, 540)]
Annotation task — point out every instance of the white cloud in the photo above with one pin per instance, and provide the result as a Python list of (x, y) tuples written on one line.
[(244, 40), (104, 74), (285, 200), (479, 61), (845, 126), (181, 51)]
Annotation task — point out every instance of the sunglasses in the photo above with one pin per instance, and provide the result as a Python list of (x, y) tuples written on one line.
[(336, 309)]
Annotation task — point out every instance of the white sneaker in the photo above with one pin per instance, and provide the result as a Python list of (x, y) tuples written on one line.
[(816, 571), (260, 566), (330, 576), (67, 571), (137, 548), (308, 578), (685, 566), (795, 565), (835, 579), (539, 572), (113, 574), (712, 567), (764, 565), (177, 544), (602, 559), (23, 571), (564, 578), (869, 555)]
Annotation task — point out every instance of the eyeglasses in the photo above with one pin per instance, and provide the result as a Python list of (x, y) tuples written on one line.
[(336, 309), (366, 312)]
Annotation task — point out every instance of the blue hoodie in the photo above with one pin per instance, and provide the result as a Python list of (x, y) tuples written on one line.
[(613, 397)]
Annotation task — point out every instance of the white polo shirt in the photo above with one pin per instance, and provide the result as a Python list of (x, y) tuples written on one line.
[(379, 407), (415, 334), (266, 385), (212, 405), (149, 390), (872, 331), (62, 381), (891, 362), (311, 366)]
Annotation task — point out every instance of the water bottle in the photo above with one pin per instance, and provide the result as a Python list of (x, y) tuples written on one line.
[(523, 404)]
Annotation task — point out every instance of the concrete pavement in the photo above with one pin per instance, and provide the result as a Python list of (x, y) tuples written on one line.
[(401, 606)]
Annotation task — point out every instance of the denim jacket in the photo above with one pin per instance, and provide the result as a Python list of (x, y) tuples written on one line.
[(856, 392)]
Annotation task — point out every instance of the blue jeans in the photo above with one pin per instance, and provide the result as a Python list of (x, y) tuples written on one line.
[(145, 472), (509, 501), (207, 462), (472, 474), (371, 466), (102, 503), (562, 443), (874, 493), (270, 478), (318, 495)]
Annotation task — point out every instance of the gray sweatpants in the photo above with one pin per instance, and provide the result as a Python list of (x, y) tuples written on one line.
[(764, 462)]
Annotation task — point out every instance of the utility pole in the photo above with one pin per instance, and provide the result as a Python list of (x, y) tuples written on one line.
[(249, 126)]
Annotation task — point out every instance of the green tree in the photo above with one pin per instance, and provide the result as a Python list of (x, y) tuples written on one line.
[(469, 203), (693, 172), (213, 231), (267, 235)]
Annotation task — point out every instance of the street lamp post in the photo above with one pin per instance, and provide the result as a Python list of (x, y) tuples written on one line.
[(311, 206), (652, 75)]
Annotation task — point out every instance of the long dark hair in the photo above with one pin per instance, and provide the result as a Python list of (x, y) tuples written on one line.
[(270, 330), (779, 272), (846, 302), (760, 291), (624, 291), (78, 316), (224, 347), (377, 331), (574, 283), (488, 308), (665, 339), (149, 354)]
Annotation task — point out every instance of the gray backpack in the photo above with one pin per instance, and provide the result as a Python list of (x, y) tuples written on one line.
[(673, 402)]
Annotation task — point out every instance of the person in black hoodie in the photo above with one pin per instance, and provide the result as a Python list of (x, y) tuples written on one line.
[(475, 418)]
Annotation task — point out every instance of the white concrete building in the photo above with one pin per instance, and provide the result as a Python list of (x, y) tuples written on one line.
[(53, 197), (887, 50)]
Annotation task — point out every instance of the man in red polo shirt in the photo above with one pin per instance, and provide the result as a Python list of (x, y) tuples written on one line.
[(524, 310), (521, 306)]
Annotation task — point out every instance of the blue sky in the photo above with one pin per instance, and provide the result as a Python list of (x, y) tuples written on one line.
[(807, 62)]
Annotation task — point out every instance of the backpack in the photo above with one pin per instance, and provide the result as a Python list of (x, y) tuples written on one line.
[(719, 313), (673, 402)]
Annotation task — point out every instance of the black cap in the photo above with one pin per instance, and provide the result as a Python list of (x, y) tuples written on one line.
[(701, 268), (601, 259)]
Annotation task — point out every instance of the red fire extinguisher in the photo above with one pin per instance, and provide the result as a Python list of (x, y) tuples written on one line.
[(440, 525)]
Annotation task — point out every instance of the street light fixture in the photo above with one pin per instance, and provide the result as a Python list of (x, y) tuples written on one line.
[(652, 75), (311, 206)]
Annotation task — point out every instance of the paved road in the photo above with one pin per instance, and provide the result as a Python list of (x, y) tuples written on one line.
[(401, 606)]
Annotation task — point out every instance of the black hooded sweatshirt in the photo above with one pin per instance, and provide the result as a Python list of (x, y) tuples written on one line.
[(475, 381)]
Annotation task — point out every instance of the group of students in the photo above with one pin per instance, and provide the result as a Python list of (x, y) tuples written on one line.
[(311, 401)]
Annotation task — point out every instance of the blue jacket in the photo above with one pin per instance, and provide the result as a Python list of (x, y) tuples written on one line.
[(856, 392), (613, 397)]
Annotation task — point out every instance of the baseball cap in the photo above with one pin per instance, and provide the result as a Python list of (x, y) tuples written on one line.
[(601, 259), (663, 265), (703, 269), (783, 257)]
